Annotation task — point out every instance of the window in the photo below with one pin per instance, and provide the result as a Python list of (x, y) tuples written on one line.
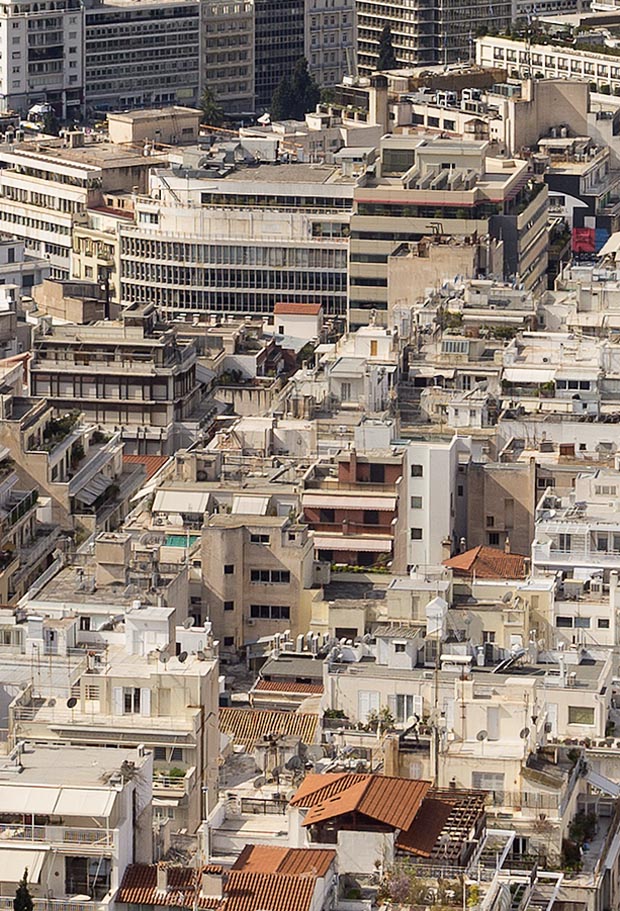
[(259, 539), (131, 700), (493, 539), (84, 624), (270, 575), (159, 754), (487, 781), (564, 622), (229, 641), (459, 490), (488, 635), (408, 706), (582, 623), (417, 471), (327, 515), (564, 542), (400, 647), (603, 623), (371, 517), (270, 612), (229, 569), (229, 605), (416, 502), (490, 521), (580, 714), (416, 534)]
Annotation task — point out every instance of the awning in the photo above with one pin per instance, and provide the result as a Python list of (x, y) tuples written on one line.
[(528, 375), (181, 500), (16, 799), (250, 506), (13, 862), (352, 542), (165, 802), (97, 486), (329, 501), (84, 802), (425, 370)]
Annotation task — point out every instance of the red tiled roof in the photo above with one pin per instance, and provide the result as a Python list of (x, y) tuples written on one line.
[(242, 890), (426, 828), (393, 801), (248, 726), (152, 463), (488, 563), (139, 887), (287, 686), (283, 309), (289, 861), (268, 892)]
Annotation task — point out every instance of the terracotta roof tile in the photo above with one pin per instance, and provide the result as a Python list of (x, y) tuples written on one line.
[(287, 686), (488, 563), (152, 463), (247, 726), (393, 801), (139, 887), (290, 861), (284, 309), (268, 892)]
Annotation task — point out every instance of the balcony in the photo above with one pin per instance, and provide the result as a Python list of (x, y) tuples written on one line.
[(52, 904), (90, 841), (173, 782), (20, 503)]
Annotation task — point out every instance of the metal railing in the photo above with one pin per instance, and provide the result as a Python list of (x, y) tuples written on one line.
[(57, 835)]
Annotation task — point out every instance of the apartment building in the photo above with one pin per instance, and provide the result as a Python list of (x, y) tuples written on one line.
[(279, 44), (228, 38), (42, 57), (330, 40), (88, 819), (425, 34), (352, 506), (20, 268), (46, 187), (257, 572), (450, 188), (239, 241), (141, 55), (549, 61), (132, 377)]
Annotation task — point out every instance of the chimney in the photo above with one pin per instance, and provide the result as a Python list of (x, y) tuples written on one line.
[(507, 545), (353, 466), (446, 549), (212, 884), (162, 877)]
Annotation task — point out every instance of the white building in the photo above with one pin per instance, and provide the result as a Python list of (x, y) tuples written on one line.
[(330, 39), (76, 817)]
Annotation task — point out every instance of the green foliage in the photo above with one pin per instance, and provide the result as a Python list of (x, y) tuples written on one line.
[(212, 110), (295, 95), (23, 899), (382, 720), (387, 58), (583, 827), (51, 124)]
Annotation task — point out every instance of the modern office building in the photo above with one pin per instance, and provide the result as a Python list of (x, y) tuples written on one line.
[(41, 56), (228, 53), (331, 38), (141, 54), (425, 33), (279, 44)]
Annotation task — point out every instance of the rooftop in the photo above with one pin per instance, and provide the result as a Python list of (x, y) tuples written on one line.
[(248, 727), (488, 563), (69, 765)]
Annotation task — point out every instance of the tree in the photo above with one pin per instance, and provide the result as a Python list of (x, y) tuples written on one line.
[(50, 123), (212, 110), (296, 94), (23, 898), (387, 58)]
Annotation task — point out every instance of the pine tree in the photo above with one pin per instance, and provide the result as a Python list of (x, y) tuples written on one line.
[(387, 58), (23, 898), (295, 95), (282, 103)]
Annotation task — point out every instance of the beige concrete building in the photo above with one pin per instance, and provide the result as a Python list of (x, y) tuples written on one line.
[(173, 125), (500, 502), (228, 67), (258, 574)]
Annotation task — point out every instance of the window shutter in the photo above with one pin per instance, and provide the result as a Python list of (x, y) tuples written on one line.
[(145, 701), (117, 700)]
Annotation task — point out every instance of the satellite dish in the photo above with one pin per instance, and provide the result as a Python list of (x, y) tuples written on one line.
[(482, 735), (51, 703), (507, 597), (524, 733), (294, 764), (187, 624), (182, 657), (164, 658), (71, 702), (259, 782)]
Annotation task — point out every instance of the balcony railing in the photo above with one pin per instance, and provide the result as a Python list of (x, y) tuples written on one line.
[(52, 904), (27, 499), (57, 835)]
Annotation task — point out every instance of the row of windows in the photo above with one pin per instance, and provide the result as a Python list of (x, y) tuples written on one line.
[(223, 254), (178, 300), (236, 278), (270, 612), (270, 575), (37, 223), (580, 622), (244, 200), (399, 210)]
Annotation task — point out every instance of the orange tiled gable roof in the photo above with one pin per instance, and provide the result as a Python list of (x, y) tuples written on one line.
[(488, 563), (290, 861), (248, 726), (293, 309), (393, 801)]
